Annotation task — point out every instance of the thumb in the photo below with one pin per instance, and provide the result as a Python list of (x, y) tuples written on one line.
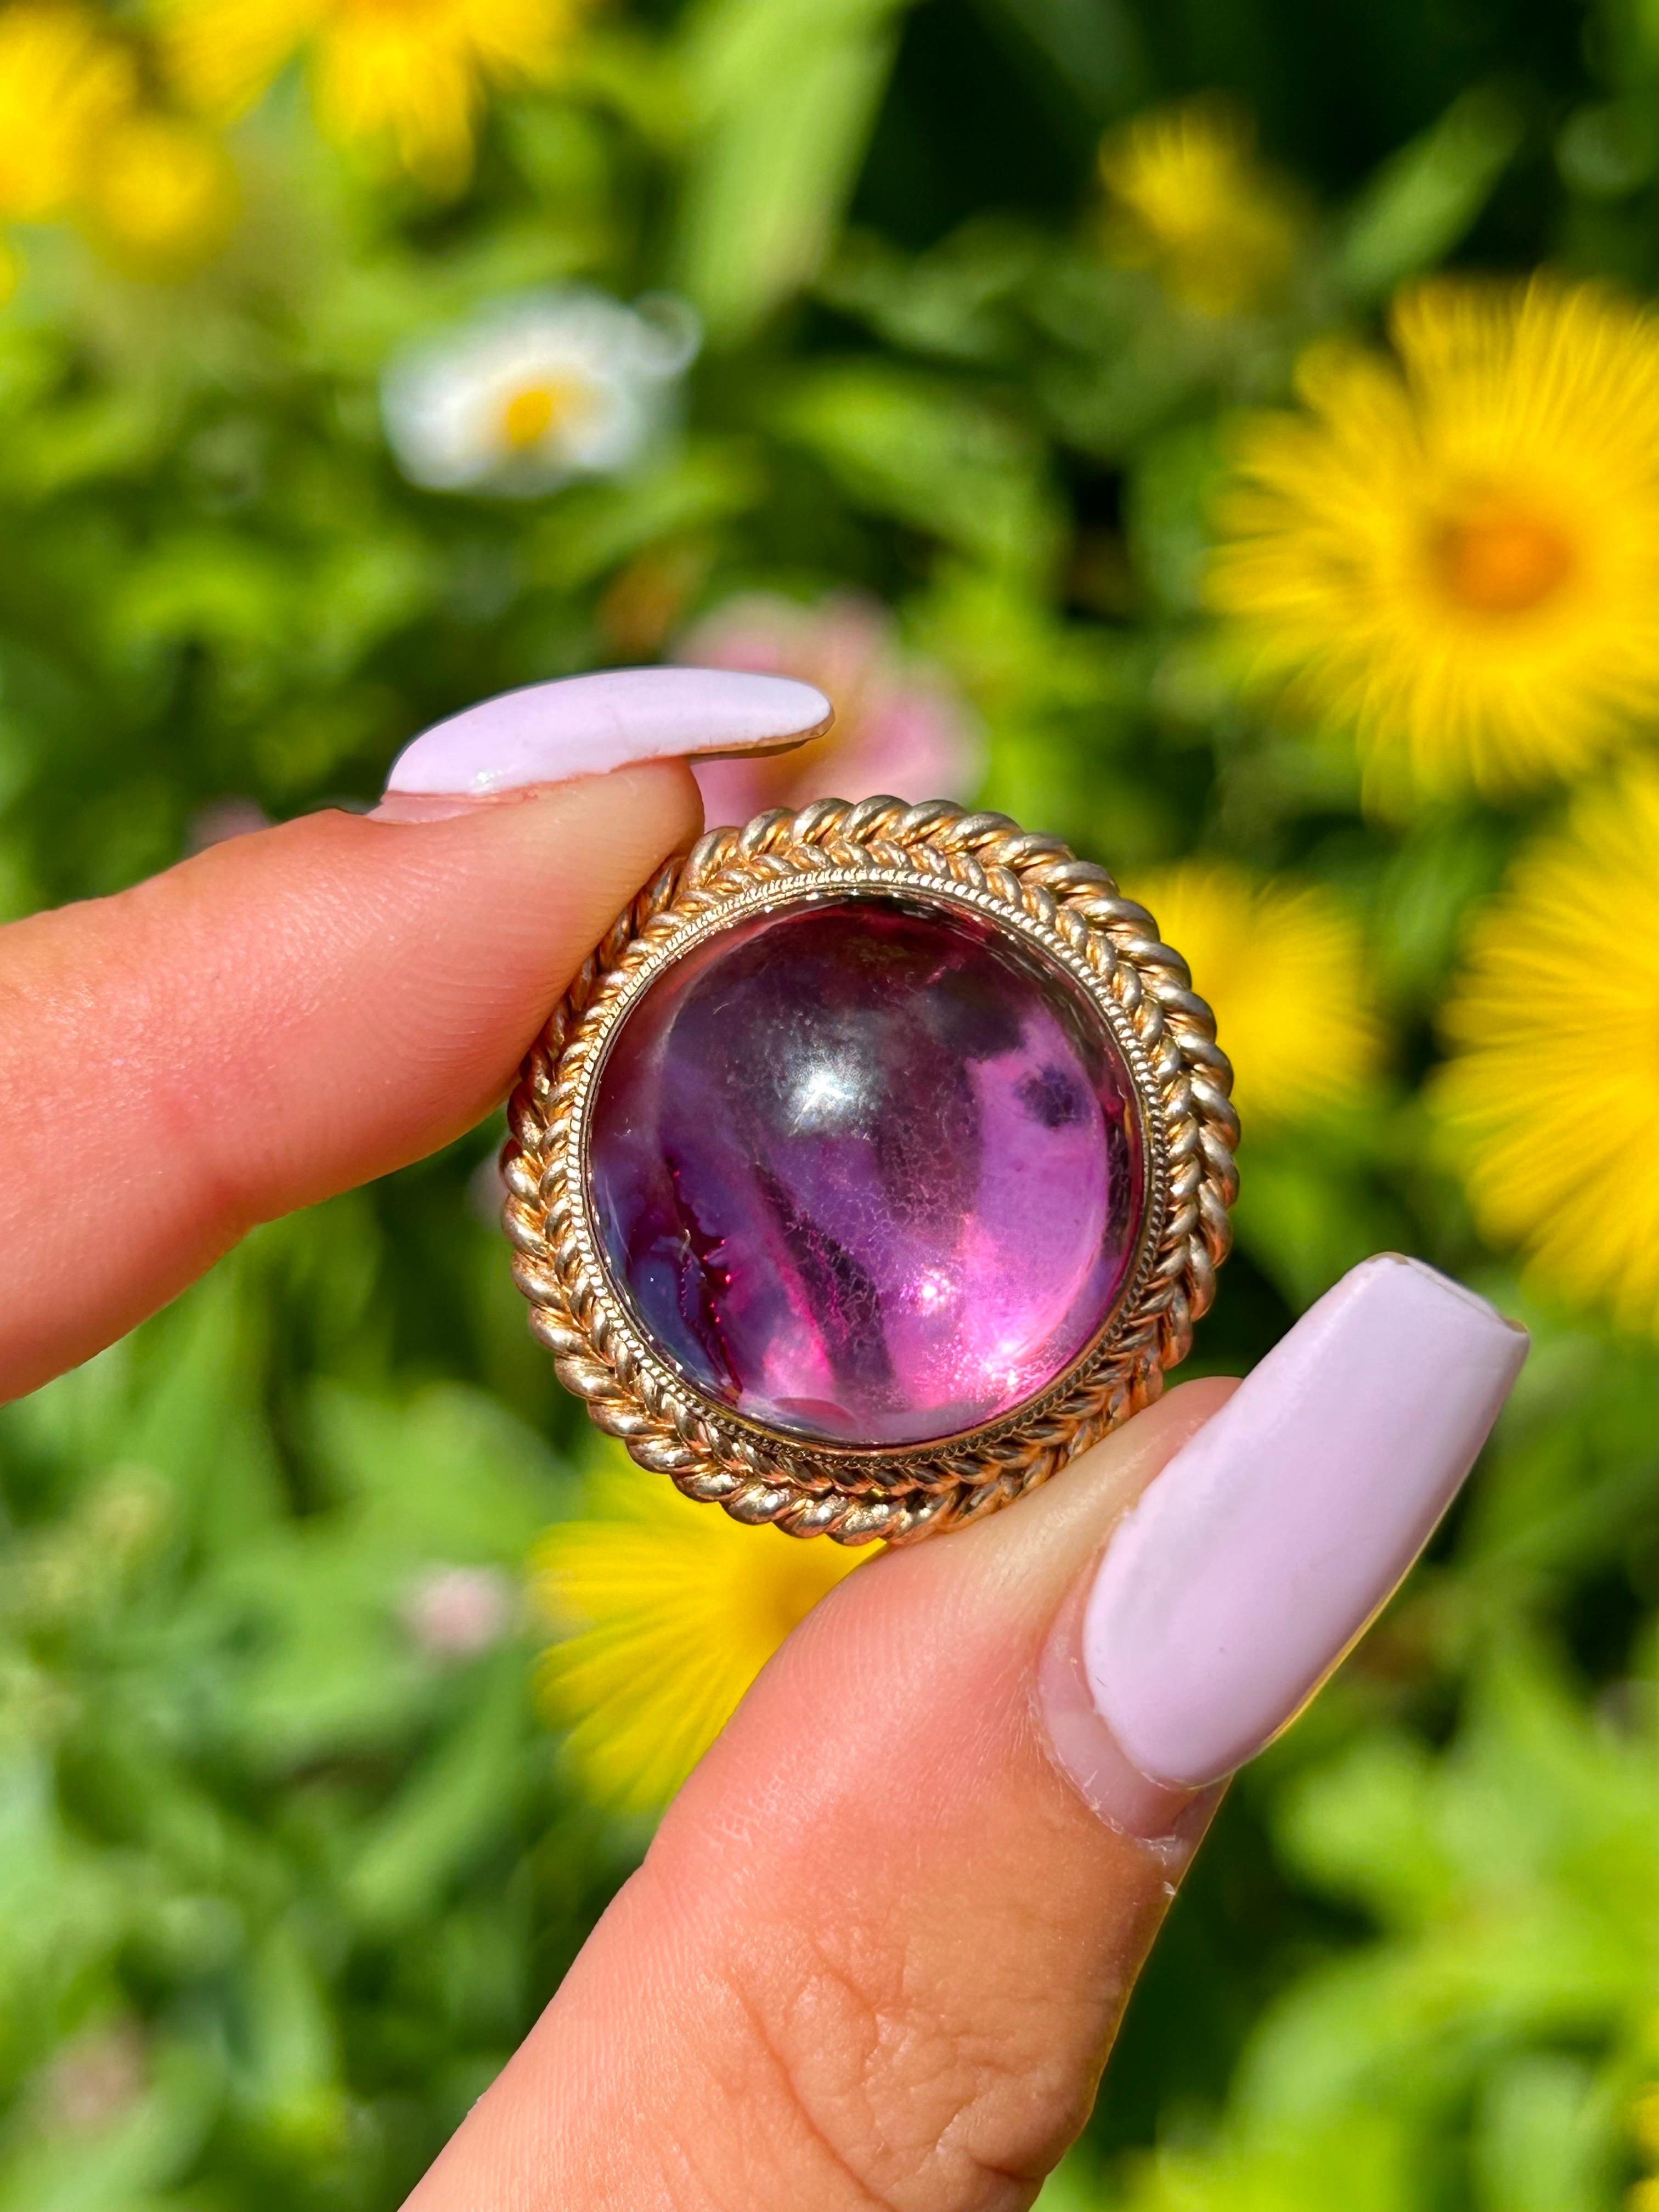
[(295, 1011), (878, 1950)]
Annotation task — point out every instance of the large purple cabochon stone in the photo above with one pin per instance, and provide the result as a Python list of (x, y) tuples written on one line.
[(868, 1171)]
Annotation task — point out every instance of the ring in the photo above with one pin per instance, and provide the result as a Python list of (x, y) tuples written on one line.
[(878, 1160)]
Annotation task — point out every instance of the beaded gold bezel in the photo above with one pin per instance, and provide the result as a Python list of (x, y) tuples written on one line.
[(1070, 911)]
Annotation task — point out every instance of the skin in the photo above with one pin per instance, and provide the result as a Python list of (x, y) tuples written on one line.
[(878, 1953)]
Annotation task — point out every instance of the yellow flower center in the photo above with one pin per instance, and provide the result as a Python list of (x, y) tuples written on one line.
[(535, 408), (1500, 560)]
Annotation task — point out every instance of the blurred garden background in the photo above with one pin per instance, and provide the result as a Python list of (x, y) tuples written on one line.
[(1225, 432)]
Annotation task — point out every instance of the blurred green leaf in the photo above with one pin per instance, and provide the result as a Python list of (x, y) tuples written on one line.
[(286, 2077), (114, 2167), (929, 455), (1167, 520), (785, 99), (220, 588), (1542, 2142), (1520, 1887), (1426, 197), (1355, 2161), (1096, 47), (61, 1904), (1307, 1212), (454, 1807), (592, 528), (956, 302)]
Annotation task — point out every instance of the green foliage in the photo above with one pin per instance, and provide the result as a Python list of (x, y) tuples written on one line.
[(1426, 197), (247, 1799), (781, 101), (287, 1864)]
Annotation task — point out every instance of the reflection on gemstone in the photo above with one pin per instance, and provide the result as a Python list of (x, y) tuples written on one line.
[(868, 1171)]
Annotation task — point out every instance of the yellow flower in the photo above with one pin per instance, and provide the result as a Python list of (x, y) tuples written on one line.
[(1187, 197), (161, 194), (1555, 1022), (1644, 2123), (1457, 552), (1283, 967), (667, 1612), (62, 82), (411, 72), (156, 191)]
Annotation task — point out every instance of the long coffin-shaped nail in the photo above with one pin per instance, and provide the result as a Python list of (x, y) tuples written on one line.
[(587, 725), (1259, 1555)]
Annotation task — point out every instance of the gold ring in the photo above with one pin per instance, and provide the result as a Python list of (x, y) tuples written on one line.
[(878, 1161)]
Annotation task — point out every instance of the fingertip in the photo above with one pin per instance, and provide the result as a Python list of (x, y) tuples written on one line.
[(611, 718), (669, 785)]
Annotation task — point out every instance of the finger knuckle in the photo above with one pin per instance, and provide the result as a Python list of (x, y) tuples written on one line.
[(910, 2107)]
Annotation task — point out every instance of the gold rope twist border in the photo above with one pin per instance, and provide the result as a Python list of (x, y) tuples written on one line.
[(905, 1495)]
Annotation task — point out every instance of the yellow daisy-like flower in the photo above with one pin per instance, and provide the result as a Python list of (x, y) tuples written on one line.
[(412, 73), (1644, 2127), (1555, 1026), (161, 195), (62, 83), (1283, 967), (665, 1611), (1186, 196), (1457, 552)]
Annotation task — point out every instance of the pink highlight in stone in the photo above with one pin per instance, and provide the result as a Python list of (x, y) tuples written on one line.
[(869, 1170), (900, 724)]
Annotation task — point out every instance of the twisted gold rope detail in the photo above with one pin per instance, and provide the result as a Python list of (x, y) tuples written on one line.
[(902, 1495)]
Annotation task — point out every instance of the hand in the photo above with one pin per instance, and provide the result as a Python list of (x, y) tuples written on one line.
[(877, 1951)]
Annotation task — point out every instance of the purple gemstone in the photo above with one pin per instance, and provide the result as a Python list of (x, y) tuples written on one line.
[(868, 1171)]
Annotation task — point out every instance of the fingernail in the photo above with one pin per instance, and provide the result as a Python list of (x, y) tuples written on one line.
[(1257, 1558), (587, 725)]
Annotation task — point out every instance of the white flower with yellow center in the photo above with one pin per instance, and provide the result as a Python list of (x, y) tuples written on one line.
[(537, 391)]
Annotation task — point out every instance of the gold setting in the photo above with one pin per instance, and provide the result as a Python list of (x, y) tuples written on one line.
[(1067, 909)]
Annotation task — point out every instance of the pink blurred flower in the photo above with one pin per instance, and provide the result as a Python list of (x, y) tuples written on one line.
[(456, 1613), (900, 724), (221, 819), (95, 2079)]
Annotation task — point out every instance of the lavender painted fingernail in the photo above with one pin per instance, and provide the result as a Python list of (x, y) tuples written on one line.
[(1258, 1555), (587, 725)]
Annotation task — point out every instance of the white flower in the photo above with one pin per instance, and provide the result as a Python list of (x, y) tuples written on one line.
[(538, 390)]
